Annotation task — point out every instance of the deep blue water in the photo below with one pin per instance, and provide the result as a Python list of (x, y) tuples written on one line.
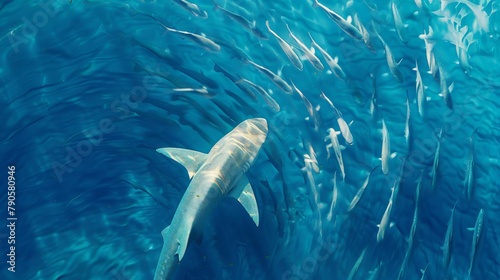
[(89, 90)]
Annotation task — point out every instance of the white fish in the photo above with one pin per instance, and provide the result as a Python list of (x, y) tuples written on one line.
[(461, 46), (202, 91), (292, 56), (429, 51), (372, 6), (360, 192), (312, 156), (242, 21), (310, 109), (469, 171), (332, 135), (192, 8), (364, 32), (445, 89), (308, 168), (373, 100), (386, 149), (448, 241), (400, 28), (404, 264), (265, 95), (463, 58), (202, 41), (419, 4), (481, 17), (419, 87), (419, 189), (308, 53), (332, 62), (334, 197), (407, 122), (435, 164), (234, 79), (323, 95), (391, 62), (374, 273), (356, 265), (424, 271), (277, 80), (347, 27), (478, 229), (384, 223), (413, 228), (213, 176), (344, 127)]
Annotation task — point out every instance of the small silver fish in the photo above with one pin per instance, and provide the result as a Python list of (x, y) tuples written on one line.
[(309, 55), (400, 28), (391, 62), (332, 62), (332, 136), (360, 192), (334, 197), (419, 88), (198, 39), (408, 118), (366, 35), (445, 89), (435, 164), (384, 223), (478, 229), (265, 95), (469, 171), (448, 241), (429, 51), (310, 109), (242, 21), (348, 28), (344, 127), (356, 266), (277, 80), (292, 56), (386, 148), (192, 8), (202, 91)]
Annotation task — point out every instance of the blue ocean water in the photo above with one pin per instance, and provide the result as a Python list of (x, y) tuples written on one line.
[(90, 89)]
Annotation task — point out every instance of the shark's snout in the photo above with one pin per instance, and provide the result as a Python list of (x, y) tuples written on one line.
[(260, 123)]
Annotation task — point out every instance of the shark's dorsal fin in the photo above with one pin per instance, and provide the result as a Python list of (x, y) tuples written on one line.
[(247, 199), (191, 160)]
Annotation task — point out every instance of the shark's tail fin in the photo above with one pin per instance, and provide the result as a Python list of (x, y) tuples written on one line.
[(175, 241), (168, 259)]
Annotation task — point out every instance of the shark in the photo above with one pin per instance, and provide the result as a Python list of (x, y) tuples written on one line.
[(218, 174)]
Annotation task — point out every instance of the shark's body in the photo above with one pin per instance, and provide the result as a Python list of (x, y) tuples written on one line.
[(214, 175)]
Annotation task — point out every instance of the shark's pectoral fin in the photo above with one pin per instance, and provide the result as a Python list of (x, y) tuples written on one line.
[(247, 199), (191, 160)]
